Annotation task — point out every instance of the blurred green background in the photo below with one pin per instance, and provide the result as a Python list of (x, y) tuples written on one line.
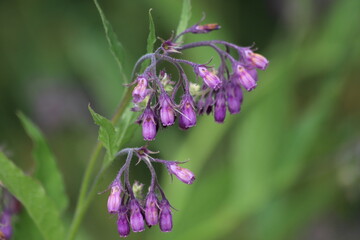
[(286, 167)]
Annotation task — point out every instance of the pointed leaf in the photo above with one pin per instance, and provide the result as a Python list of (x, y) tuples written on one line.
[(31, 194), (184, 17), (107, 135), (152, 37), (116, 47), (46, 170)]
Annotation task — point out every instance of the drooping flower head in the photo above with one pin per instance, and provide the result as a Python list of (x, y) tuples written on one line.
[(220, 107), (187, 117), (165, 219), (140, 91), (255, 59), (242, 77), (136, 218), (234, 97), (123, 222), (151, 209), (167, 112), (183, 174), (114, 199), (210, 79), (149, 124)]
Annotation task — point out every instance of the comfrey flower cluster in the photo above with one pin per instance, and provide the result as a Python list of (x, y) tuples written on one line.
[(155, 94), (126, 201), (9, 206)]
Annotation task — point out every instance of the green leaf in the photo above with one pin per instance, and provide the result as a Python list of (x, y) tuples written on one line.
[(152, 37), (116, 47), (107, 134), (46, 170), (184, 17), (31, 194)]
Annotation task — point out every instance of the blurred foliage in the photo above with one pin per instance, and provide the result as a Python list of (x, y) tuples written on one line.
[(287, 167)]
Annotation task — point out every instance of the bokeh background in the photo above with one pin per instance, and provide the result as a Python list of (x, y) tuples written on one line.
[(286, 167)]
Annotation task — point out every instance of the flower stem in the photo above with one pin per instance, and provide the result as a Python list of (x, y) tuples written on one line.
[(85, 196)]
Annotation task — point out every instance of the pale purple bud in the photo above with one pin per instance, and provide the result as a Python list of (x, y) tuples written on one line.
[(140, 91), (210, 79), (183, 174), (167, 113), (136, 218), (5, 225), (205, 28), (123, 223), (187, 117), (165, 219), (234, 97), (151, 209), (220, 107), (149, 124), (114, 199), (242, 77), (255, 59)]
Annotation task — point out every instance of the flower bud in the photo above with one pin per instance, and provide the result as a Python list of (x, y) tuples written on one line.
[(167, 113), (255, 59), (149, 125), (140, 91), (114, 199), (183, 174), (187, 117), (123, 223), (205, 28), (136, 218), (220, 107), (5, 225), (151, 209), (242, 77), (234, 97), (165, 220), (210, 79)]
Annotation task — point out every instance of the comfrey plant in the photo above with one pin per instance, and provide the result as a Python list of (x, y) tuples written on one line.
[(162, 100), (221, 87), (155, 94)]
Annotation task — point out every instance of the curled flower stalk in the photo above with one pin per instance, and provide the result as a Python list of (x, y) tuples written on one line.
[(126, 201), (221, 87)]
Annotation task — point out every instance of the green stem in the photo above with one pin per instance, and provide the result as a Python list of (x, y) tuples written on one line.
[(85, 196)]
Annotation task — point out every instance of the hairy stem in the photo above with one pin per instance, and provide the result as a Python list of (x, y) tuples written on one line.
[(85, 196)]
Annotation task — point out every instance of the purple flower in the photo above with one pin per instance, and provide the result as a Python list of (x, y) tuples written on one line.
[(5, 225), (123, 223), (187, 117), (165, 221), (136, 218), (220, 107), (210, 79), (149, 124), (151, 209), (183, 174), (255, 59), (140, 91), (242, 77), (114, 199), (167, 113), (234, 97), (205, 28)]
